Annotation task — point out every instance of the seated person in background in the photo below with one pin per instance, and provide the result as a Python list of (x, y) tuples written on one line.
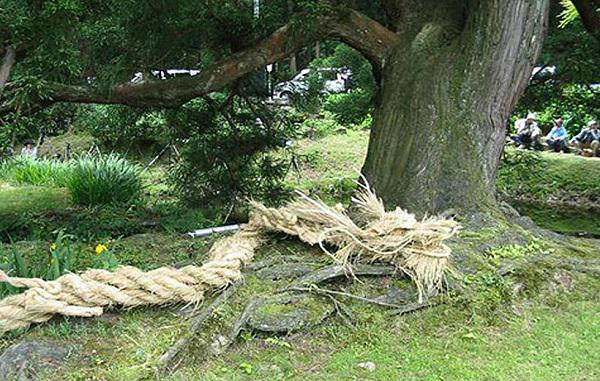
[(588, 139), (29, 149), (528, 133), (557, 138)]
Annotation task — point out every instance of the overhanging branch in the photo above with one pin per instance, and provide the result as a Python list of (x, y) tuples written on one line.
[(357, 30)]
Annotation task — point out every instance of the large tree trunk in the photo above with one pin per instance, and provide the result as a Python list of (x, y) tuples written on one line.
[(447, 90)]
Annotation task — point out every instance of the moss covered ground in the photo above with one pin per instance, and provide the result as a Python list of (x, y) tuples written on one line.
[(540, 322)]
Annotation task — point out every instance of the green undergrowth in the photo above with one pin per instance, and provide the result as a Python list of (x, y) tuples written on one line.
[(30, 212)]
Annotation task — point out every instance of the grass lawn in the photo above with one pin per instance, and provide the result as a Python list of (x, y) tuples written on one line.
[(542, 344), (329, 166), (31, 199)]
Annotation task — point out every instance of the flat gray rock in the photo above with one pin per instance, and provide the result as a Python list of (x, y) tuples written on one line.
[(24, 360), (287, 313)]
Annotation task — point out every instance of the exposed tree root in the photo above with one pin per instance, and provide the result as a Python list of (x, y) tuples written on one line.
[(195, 324), (222, 343), (473, 258), (335, 271), (323, 291)]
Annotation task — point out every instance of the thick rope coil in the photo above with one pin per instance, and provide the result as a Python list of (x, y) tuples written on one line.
[(415, 247)]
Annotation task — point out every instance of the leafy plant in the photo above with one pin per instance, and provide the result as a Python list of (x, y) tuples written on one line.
[(59, 262), (351, 107), (108, 179), (26, 170), (246, 368), (15, 266), (60, 256), (105, 257)]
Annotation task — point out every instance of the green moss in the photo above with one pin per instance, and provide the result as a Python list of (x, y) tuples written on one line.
[(578, 222), (536, 177)]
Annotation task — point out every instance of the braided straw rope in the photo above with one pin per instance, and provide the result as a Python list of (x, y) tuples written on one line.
[(414, 247), (88, 293)]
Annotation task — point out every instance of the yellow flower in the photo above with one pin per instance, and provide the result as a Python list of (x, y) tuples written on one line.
[(100, 248), (53, 247)]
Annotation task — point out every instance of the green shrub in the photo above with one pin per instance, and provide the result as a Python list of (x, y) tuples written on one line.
[(25, 170), (350, 108), (229, 156), (107, 179), (118, 126)]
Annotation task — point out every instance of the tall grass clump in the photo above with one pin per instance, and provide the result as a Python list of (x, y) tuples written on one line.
[(26, 170), (107, 179)]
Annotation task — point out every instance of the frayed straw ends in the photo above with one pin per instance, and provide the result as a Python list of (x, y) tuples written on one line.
[(415, 247)]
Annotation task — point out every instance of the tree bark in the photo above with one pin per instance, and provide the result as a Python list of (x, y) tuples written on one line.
[(590, 18), (448, 88), (9, 61)]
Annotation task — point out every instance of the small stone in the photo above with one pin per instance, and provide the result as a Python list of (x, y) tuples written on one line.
[(216, 347), (24, 360), (517, 288), (369, 365), (341, 130)]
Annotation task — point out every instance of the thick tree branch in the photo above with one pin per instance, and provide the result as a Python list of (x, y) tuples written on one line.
[(9, 60), (362, 33), (590, 18), (359, 31)]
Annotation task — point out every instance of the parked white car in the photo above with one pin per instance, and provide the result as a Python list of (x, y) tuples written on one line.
[(337, 80)]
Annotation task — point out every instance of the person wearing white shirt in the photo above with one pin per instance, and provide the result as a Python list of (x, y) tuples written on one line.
[(528, 132), (29, 149)]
